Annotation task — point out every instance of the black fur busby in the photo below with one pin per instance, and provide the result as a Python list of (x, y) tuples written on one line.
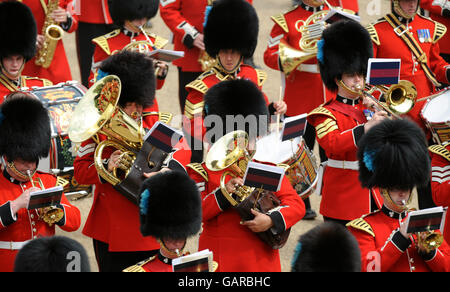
[(231, 24), (345, 47), (235, 99), (52, 254), (122, 10), (393, 154), (136, 74), (24, 128), (170, 206), (328, 247), (17, 30)]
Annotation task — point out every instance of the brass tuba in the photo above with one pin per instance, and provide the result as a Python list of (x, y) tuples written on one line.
[(53, 33)]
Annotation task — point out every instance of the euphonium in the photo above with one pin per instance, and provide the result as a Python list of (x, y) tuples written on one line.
[(52, 33), (231, 153), (51, 214)]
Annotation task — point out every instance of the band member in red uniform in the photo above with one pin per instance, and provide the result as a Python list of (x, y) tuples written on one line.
[(171, 212), (440, 11), (230, 35), (343, 54), (113, 221), (130, 17), (185, 19), (25, 132), (303, 89), (405, 34), (440, 179), (224, 233), (393, 159), (94, 20), (17, 47), (64, 16)]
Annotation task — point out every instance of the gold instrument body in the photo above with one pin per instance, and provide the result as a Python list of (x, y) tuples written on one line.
[(53, 33), (51, 214), (98, 113), (231, 153), (429, 240), (206, 61)]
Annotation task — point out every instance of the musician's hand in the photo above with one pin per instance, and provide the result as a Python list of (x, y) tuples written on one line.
[(150, 174), (23, 200), (233, 184), (260, 223), (378, 117), (280, 107), (114, 160), (198, 42), (369, 103), (403, 228), (40, 41), (161, 69), (59, 15)]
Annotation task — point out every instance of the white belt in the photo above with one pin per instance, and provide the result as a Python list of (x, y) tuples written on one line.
[(343, 164), (12, 245), (311, 68)]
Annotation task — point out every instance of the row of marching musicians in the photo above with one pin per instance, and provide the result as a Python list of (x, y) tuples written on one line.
[(120, 240)]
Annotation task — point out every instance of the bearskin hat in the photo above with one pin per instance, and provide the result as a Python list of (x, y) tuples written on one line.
[(122, 10), (328, 247), (231, 24), (393, 154), (18, 30), (236, 98), (51, 254), (170, 206), (24, 128), (345, 47), (136, 74)]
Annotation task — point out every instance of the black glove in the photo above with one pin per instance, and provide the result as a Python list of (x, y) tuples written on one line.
[(448, 75), (446, 12)]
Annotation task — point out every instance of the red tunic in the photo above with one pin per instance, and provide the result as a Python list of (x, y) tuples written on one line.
[(436, 14), (26, 226), (115, 41), (93, 11), (193, 110), (235, 247), (113, 219), (59, 70), (185, 20), (338, 133), (387, 44), (303, 87), (7, 87), (384, 249), (440, 180)]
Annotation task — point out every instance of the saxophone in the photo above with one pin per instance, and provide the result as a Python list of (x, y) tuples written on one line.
[(52, 33)]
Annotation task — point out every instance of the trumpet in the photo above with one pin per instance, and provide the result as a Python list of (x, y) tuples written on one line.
[(49, 215)]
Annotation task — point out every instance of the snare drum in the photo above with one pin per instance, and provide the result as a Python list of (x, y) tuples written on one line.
[(294, 155), (436, 114), (60, 100)]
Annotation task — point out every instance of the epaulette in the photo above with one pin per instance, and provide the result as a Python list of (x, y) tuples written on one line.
[(439, 31), (139, 266), (102, 41), (198, 85), (191, 109), (321, 111), (373, 34), (198, 168), (440, 150), (160, 42), (262, 76), (361, 224), (162, 117), (281, 21), (60, 181)]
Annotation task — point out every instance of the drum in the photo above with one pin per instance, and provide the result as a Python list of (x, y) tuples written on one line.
[(294, 156), (436, 114), (60, 100)]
